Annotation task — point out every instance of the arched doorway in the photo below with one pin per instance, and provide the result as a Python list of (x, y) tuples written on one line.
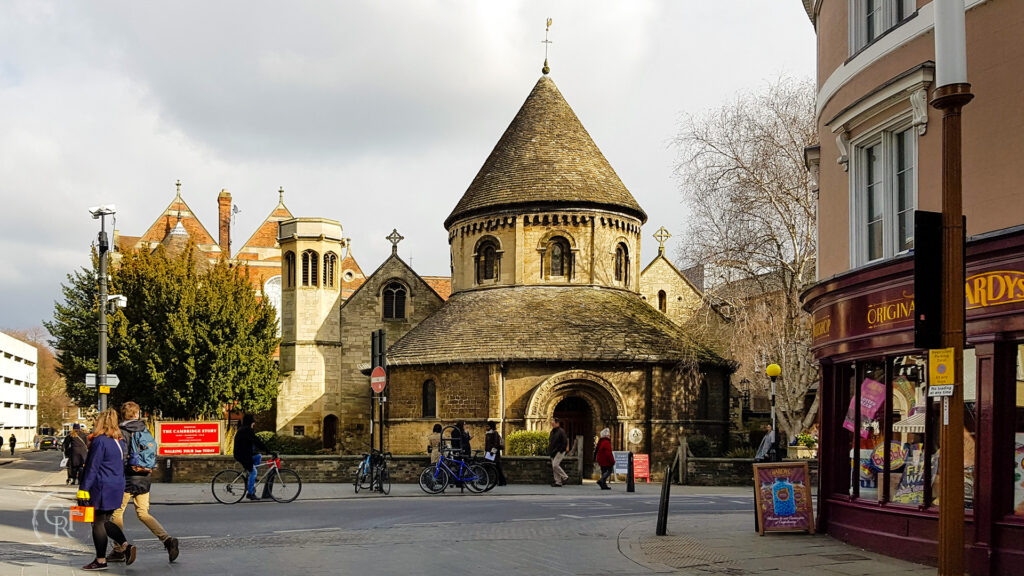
[(577, 420), (330, 431)]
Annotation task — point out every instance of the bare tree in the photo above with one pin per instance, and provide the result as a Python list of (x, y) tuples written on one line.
[(751, 223), (52, 401)]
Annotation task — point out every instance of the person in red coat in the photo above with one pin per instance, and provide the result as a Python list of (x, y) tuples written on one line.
[(604, 458)]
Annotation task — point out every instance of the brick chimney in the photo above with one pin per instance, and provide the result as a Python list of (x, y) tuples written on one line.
[(224, 222)]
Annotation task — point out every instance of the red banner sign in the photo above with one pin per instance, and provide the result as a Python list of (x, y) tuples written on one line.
[(188, 450), (188, 438), (641, 466)]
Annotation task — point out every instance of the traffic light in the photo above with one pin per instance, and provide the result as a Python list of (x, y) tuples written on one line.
[(927, 279)]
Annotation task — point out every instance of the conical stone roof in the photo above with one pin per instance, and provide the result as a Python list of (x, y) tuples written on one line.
[(545, 158)]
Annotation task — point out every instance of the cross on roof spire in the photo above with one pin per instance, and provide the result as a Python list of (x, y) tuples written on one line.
[(546, 69), (177, 186), (394, 238), (280, 195), (661, 236)]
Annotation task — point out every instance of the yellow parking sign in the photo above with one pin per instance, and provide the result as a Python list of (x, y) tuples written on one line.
[(104, 389), (940, 367)]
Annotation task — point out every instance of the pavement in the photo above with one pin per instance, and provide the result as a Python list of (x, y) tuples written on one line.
[(521, 529)]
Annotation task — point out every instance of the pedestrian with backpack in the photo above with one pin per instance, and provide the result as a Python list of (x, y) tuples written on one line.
[(138, 466)]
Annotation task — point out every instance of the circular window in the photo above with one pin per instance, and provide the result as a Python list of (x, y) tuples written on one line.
[(349, 275)]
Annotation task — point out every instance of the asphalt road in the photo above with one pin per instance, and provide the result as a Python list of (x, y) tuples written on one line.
[(564, 533)]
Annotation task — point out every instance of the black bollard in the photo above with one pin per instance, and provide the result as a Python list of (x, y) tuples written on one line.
[(666, 486), (630, 484)]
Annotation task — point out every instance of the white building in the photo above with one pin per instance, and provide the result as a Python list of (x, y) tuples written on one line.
[(18, 392)]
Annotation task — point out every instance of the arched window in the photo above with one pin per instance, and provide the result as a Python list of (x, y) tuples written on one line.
[(622, 264), (662, 301), (560, 258), (330, 265), (394, 301), (429, 399), (289, 269), (486, 260), (310, 276)]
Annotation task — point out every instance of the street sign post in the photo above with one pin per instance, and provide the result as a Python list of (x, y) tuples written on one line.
[(941, 367), (111, 381), (378, 379), (940, 391)]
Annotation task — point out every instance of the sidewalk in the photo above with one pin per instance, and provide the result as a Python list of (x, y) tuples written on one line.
[(703, 544)]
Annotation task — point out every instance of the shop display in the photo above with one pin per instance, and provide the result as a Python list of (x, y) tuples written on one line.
[(872, 397), (783, 498), (1018, 476)]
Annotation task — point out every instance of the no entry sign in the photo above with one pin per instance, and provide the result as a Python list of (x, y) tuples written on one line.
[(378, 379)]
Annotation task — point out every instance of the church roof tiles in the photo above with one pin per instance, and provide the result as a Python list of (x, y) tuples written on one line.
[(545, 157), (546, 323)]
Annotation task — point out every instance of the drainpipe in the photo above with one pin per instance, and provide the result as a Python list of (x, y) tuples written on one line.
[(501, 399)]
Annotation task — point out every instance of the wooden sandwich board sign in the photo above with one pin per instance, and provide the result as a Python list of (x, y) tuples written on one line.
[(783, 497)]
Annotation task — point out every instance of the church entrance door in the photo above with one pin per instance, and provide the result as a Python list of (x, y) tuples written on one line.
[(574, 414), (330, 431)]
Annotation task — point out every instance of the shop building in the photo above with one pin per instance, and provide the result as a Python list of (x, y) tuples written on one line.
[(18, 402), (879, 159)]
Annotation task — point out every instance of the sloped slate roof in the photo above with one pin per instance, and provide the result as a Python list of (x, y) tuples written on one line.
[(546, 323), (545, 157)]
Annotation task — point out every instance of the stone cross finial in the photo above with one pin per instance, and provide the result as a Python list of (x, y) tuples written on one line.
[(661, 236), (546, 69), (280, 195), (394, 238), (177, 185)]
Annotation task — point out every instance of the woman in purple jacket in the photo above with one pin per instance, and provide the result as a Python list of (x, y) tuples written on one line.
[(102, 486)]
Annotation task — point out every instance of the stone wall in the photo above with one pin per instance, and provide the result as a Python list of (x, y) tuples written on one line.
[(340, 469), (730, 471)]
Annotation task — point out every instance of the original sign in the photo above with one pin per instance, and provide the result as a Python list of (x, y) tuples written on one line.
[(941, 367), (783, 497), (187, 438), (940, 391)]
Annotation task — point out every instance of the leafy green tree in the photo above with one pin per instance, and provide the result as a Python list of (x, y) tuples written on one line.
[(74, 332), (193, 338)]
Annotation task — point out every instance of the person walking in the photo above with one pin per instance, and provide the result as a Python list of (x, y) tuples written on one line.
[(35, 441), (604, 458), (13, 442), (434, 444), (464, 439), (102, 486), (558, 442), (140, 463), (494, 444), (75, 450), (246, 443)]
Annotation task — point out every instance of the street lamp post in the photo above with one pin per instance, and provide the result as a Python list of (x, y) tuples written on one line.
[(100, 213), (952, 92), (773, 371)]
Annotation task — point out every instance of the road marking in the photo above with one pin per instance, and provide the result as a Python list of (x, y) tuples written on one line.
[(424, 523), (571, 516), (328, 529), (623, 514), (178, 537), (530, 519)]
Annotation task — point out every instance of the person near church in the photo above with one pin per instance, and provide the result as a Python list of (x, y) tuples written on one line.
[(246, 443), (13, 441), (605, 458), (494, 444), (461, 439), (102, 487), (558, 443), (140, 463), (75, 450), (434, 444)]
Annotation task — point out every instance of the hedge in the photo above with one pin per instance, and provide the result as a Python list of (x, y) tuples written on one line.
[(295, 445), (527, 443)]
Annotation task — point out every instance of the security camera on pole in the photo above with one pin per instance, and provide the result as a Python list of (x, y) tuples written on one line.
[(100, 213)]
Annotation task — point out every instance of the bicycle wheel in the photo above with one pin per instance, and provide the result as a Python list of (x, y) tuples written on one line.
[(384, 478), (285, 486), (228, 486), (433, 480), (359, 476), (478, 482), (492, 475)]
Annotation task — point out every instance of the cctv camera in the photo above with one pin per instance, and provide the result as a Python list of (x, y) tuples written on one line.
[(117, 300)]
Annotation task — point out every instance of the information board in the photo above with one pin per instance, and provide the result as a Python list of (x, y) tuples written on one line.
[(783, 497), (188, 438), (641, 467), (621, 461)]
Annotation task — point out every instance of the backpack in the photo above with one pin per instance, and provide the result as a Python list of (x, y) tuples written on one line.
[(142, 451)]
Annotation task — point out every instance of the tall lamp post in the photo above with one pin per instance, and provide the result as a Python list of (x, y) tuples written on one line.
[(100, 213), (773, 371), (952, 92)]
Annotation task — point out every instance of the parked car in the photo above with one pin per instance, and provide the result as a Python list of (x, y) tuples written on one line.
[(48, 443)]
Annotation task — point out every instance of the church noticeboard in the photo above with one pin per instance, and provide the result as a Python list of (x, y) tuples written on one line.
[(783, 497)]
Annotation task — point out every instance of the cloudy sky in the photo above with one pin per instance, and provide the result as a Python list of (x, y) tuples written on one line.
[(377, 114)]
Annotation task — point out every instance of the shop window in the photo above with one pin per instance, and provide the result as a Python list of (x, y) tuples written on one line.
[(394, 301), (865, 420), (872, 18), (906, 472), (884, 195), (1018, 452)]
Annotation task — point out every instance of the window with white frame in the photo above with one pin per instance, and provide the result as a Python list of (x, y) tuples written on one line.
[(885, 194), (869, 19)]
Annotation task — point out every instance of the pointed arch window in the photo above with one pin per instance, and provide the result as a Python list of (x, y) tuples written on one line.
[(330, 269), (662, 301), (310, 265), (394, 296), (560, 258), (429, 399), (289, 269), (622, 263), (487, 260)]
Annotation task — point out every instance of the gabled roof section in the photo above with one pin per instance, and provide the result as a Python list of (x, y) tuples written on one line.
[(178, 210), (370, 279), (266, 235), (545, 157)]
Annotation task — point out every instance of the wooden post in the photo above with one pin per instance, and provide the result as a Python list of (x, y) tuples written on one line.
[(950, 99)]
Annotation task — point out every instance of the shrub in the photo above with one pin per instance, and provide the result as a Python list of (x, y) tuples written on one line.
[(527, 443), (806, 439), (295, 445), (743, 452), (699, 445)]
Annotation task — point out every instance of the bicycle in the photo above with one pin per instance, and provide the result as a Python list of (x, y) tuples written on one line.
[(281, 484), (480, 457), (372, 473), (434, 478)]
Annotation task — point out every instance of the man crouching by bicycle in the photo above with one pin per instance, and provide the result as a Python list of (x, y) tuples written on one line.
[(246, 443)]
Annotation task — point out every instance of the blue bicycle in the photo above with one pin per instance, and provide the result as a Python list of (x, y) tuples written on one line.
[(372, 473), (436, 477)]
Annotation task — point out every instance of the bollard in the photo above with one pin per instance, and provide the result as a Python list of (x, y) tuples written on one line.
[(666, 487), (630, 485)]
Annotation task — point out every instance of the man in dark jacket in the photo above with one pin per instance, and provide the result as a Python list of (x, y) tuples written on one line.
[(136, 488), (558, 443), (246, 443), (13, 441), (75, 449)]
